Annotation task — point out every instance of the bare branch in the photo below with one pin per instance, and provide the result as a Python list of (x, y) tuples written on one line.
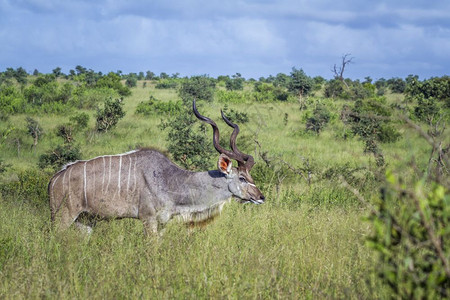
[(339, 71)]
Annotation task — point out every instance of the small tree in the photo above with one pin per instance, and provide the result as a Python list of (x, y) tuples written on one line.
[(189, 146), (300, 83), (339, 70), (319, 119), (131, 82), (59, 156), (197, 87), (65, 131), (370, 120), (236, 83), (35, 130), (411, 234), (109, 116)]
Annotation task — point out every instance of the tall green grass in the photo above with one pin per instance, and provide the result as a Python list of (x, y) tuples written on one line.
[(266, 251), (306, 241)]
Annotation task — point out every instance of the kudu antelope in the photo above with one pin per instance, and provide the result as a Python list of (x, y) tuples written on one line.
[(146, 185)]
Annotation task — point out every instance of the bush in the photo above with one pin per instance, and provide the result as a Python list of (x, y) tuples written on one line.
[(231, 96), (267, 92), (30, 186), (109, 116), (12, 100), (235, 84), (189, 146), (89, 98), (155, 106), (58, 157), (300, 83), (397, 85), (197, 87), (319, 119), (113, 81), (370, 120), (412, 239), (80, 120), (167, 84), (235, 116)]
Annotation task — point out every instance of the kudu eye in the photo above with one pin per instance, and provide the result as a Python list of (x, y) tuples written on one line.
[(242, 179)]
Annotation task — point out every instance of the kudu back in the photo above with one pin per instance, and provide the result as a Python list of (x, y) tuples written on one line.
[(146, 185)]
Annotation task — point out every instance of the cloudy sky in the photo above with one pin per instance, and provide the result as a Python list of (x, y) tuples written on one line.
[(216, 37)]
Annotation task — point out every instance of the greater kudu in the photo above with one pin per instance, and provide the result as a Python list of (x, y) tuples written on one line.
[(146, 185)]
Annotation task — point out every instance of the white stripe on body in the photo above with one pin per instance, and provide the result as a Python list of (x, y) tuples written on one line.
[(129, 176), (104, 171), (84, 184), (120, 170)]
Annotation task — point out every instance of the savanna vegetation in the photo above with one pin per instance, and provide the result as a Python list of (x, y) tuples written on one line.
[(355, 175)]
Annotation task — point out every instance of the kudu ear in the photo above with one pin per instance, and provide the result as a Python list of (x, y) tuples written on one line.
[(224, 164)]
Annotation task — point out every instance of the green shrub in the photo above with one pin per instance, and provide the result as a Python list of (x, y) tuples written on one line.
[(370, 119), (166, 84), (267, 92), (131, 82), (197, 87), (80, 120), (109, 115), (12, 100), (189, 146), (113, 81), (236, 83), (58, 157), (235, 116), (412, 238), (30, 186), (155, 106), (426, 109), (300, 83), (231, 96), (89, 98), (319, 119)]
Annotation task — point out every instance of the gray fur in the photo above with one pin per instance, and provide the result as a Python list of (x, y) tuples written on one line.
[(146, 185)]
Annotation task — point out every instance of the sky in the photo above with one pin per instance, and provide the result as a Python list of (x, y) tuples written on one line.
[(385, 39)]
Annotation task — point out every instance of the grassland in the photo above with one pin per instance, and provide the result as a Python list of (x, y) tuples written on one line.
[(306, 241)]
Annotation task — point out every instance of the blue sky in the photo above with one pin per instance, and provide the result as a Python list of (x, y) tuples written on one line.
[(215, 37)]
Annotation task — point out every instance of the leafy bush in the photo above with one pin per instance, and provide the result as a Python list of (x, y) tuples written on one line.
[(109, 116), (80, 120), (335, 88), (397, 85), (300, 83), (267, 92), (369, 119), (113, 81), (155, 106), (235, 116), (34, 129), (235, 84), (188, 145), (167, 84), (12, 100), (30, 186), (319, 119), (131, 82), (89, 98), (412, 239), (58, 157), (65, 131), (197, 87), (231, 96), (426, 109)]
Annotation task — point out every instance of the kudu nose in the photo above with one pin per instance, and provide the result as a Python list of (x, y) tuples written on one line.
[(262, 198)]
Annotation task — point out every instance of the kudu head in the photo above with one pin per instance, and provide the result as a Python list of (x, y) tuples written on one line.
[(240, 182)]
